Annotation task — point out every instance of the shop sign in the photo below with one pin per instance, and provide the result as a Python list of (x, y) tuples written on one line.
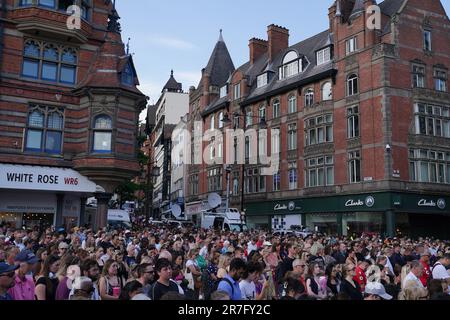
[(283, 207), (440, 203), (369, 202), (44, 178), (32, 203)]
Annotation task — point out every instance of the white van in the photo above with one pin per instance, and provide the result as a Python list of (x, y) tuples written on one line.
[(223, 220), (119, 219)]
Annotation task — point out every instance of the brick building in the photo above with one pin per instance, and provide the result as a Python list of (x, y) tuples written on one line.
[(69, 111), (363, 116)]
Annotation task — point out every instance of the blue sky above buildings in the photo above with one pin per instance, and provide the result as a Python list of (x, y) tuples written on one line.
[(181, 35)]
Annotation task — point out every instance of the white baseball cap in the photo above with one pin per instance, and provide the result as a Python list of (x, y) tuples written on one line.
[(376, 288)]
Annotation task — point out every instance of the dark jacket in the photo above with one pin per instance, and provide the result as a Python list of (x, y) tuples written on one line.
[(353, 292)]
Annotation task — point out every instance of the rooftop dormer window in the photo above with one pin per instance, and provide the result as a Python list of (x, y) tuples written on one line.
[(292, 65), (128, 75), (262, 80), (224, 91), (323, 56)]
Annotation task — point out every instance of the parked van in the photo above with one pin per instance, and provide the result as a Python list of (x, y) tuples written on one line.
[(119, 219), (223, 220)]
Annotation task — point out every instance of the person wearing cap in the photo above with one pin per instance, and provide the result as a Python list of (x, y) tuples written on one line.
[(376, 291), (83, 289), (7, 276), (63, 247), (425, 261), (24, 282)]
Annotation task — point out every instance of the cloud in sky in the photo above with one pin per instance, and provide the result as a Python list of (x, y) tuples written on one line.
[(172, 42)]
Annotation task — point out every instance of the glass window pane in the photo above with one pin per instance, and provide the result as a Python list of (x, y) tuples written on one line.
[(49, 71), (36, 119), (330, 176), (69, 56), (30, 68), (67, 74), (102, 141), (53, 142), (55, 121), (103, 122), (51, 53), (47, 3), (34, 138), (320, 177), (32, 50), (424, 176)]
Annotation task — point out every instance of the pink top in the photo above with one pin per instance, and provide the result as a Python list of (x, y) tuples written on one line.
[(23, 290)]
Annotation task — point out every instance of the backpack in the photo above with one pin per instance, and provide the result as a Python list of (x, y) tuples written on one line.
[(216, 286)]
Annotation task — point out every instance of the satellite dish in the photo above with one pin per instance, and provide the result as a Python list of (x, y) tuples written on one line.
[(176, 210), (214, 200)]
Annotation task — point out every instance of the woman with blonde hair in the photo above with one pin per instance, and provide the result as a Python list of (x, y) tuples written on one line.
[(110, 284), (224, 263)]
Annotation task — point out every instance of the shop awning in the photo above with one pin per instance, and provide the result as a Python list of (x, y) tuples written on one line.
[(22, 177)]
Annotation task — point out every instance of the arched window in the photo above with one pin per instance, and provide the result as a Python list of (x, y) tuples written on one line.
[(212, 122), (68, 66), (44, 130), (50, 63), (291, 65), (276, 108), (102, 134), (32, 54), (327, 93), (262, 113), (352, 85), (309, 97), (292, 104)]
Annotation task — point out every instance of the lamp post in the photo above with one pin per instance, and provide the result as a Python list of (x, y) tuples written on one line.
[(263, 125)]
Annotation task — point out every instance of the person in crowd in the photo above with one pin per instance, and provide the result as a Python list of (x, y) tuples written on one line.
[(110, 283), (24, 282), (360, 276), (314, 287), (164, 284), (89, 269), (414, 275), (69, 269), (47, 281), (376, 291), (294, 289), (440, 268), (333, 279), (7, 274), (146, 276), (248, 283), (348, 285), (130, 290), (83, 289), (426, 274), (223, 265), (230, 283)]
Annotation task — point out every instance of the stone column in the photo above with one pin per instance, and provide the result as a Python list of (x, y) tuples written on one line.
[(340, 225), (59, 210), (390, 223), (81, 220), (101, 217)]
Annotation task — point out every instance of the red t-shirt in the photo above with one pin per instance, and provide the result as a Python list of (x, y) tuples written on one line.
[(426, 274), (360, 278)]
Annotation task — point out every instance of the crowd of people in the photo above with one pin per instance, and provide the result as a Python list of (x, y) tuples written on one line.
[(164, 263)]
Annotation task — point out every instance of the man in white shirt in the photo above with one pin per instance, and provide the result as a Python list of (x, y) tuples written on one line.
[(414, 275), (440, 268), (251, 246)]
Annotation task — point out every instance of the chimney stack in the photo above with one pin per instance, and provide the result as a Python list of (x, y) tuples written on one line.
[(258, 48), (278, 40)]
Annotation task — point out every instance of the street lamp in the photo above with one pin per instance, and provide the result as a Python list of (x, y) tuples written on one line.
[(263, 125)]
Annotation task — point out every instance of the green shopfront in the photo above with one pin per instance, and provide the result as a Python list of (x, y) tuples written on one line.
[(388, 213)]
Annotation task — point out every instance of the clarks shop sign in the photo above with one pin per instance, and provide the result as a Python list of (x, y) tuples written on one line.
[(291, 206), (367, 202), (44, 178), (440, 203)]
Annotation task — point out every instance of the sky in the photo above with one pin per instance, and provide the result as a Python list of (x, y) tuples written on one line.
[(180, 35)]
